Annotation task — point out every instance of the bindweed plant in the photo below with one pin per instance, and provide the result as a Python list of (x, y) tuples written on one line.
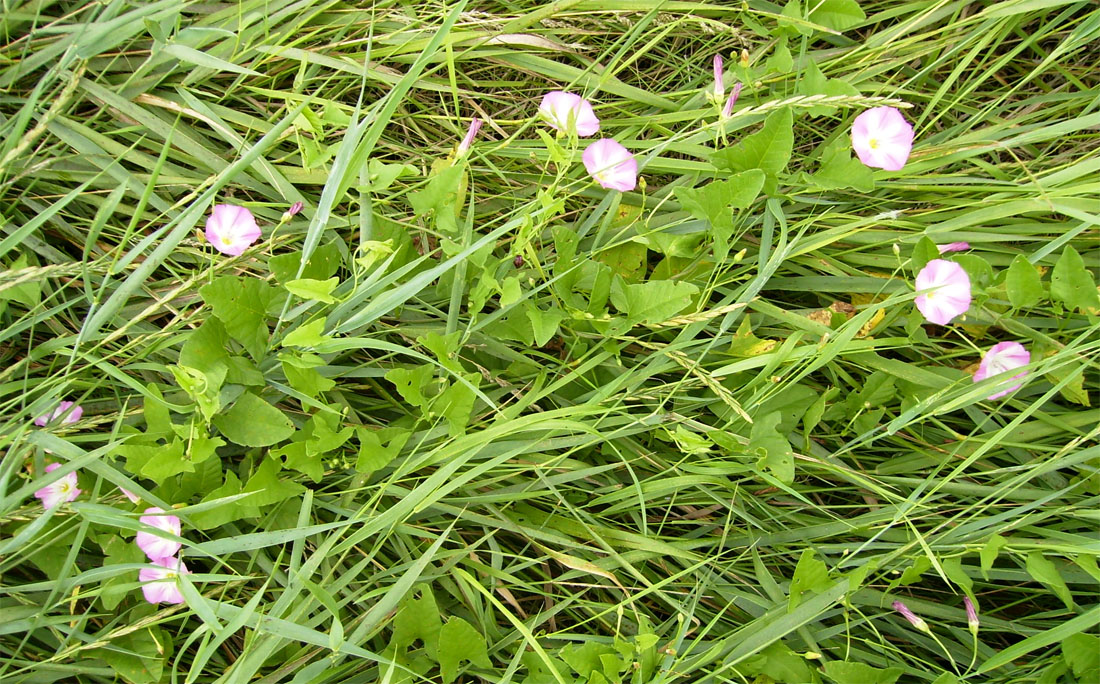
[(603, 342)]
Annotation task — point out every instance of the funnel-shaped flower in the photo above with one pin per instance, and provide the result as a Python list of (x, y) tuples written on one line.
[(231, 229), (471, 133), (160, 581), (567, 112), (944, 291), (59, 491), (61, 410), (882, 138), (1002, 358), (611, 164), (154, 546)]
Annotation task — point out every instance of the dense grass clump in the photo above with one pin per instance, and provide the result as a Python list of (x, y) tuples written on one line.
[(469, 416)]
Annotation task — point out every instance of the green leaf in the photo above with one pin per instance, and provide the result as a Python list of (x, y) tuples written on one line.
[(381, 176), (459, 641), (202, 387), (440, 198), (989, 553), (1046, 572), (137, 656), (838, 169), (167, 462), (118, 551), (837, 15), (953, 568), (418, 619), (781, 59), (308, 381), (813, 82), (1022, 282), (1082, 654), (924, 251), (628, 259), (544, 324), (768, 149), (843, 672), (410, 382), (253, 422), (946, 678), (206, 347), (241, 305), (773, 448), (784, 665), (324, 262), (309, 334), (228, 511), (314, 290), (809, 575), (654, 301), (1074, 390), (1072, 284), (456, 403), (28, 293), (205, 59), (266, 487), (715, 203), (372, 455)]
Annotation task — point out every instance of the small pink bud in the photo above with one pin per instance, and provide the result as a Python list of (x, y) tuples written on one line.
[(719, 88), (471, 133), (910, 616), (953, 247), (734, 94), (292, 211), (971, 614)]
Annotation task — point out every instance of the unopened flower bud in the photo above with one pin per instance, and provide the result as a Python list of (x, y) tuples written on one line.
[(971, 615), (292, 211), (910, 616)]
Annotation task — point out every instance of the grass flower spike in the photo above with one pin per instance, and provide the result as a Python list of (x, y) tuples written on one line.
[(60, 491), (611, 164), (61, 410), (944, 291), (160, 581), (1002, 358), (231, 229), (158, 547), (567, 112), (882, 138)]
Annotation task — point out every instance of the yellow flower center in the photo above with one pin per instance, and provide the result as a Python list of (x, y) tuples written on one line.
[(873, 143), (226, 240)]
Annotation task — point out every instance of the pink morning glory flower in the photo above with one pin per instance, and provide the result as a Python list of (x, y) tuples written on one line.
[(59, 491), (160, 581), (611, 164), (1002, 358), (471, 133), (944, 291), (231, 229), (953, 247), (61, 410), (154, 546), (882, 138), (567, 112)]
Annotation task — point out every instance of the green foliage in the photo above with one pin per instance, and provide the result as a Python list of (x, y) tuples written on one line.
[(253, 422), (480, 419)]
